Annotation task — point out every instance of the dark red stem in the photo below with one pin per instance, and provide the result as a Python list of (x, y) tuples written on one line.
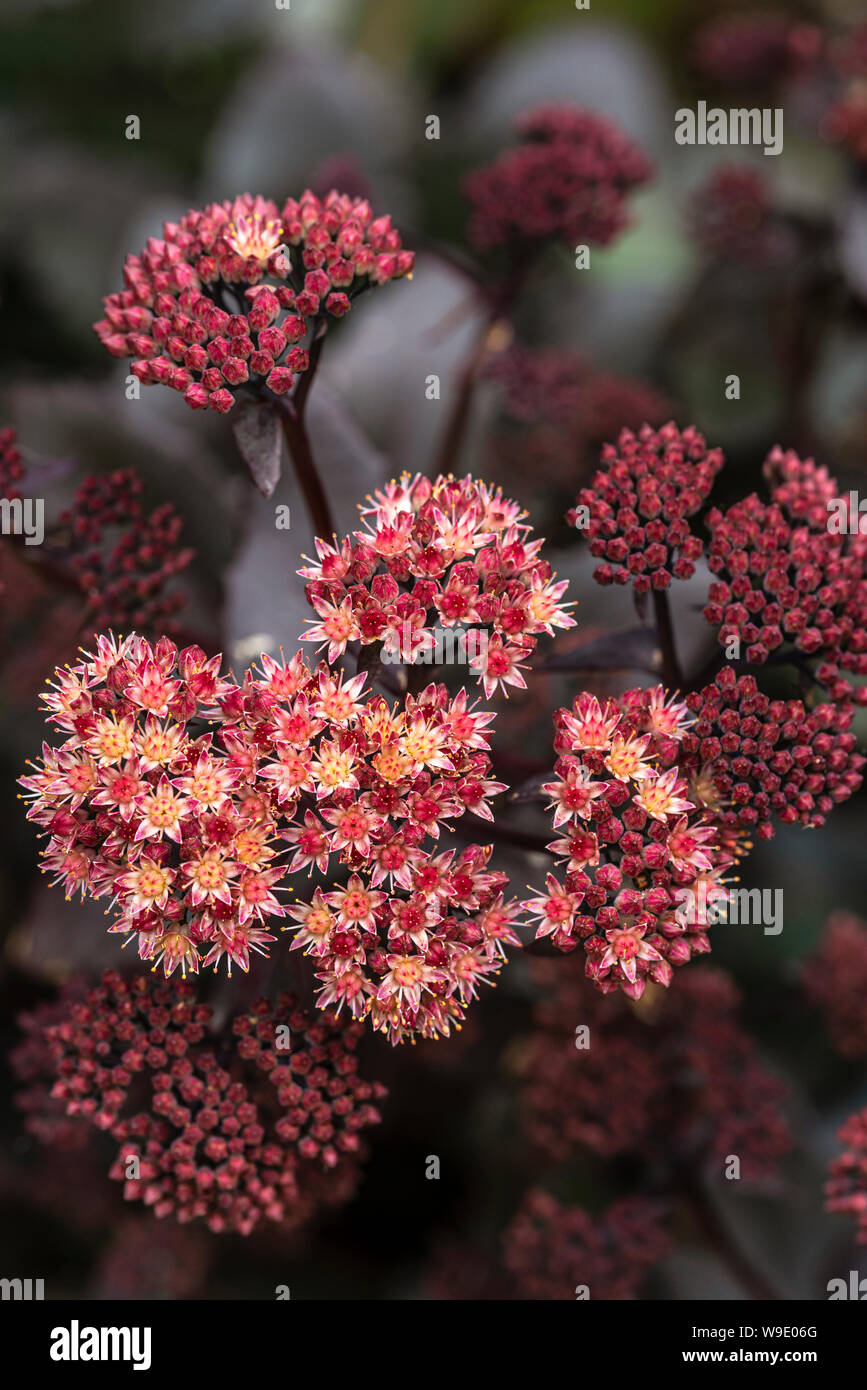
[(671, 672), (301, 454)]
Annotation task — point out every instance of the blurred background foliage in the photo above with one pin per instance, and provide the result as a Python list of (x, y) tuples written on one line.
[(237, 95)]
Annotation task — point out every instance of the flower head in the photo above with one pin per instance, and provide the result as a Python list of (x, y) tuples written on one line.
[(786, 580), (567, 180), (633, 841), (454, 553), (834, 980), (404, 940), (123, 557), (257, 1122), (636, 510), (219, 302), (677, 1076), (846, 1188), (353, 781), (762, 759), (551, 1250), (141, 807)]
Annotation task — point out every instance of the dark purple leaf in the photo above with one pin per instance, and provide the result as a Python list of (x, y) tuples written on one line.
[(259, 439)]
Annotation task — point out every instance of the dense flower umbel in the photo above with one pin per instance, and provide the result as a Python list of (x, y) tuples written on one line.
[(121, 559), (676, 1080), (566, 181), (636, 510), (753, 759), (846, 1188), (631, 839), (226, 297), (231, 1126), (835, 980), (408, 938), (142, 808), (444, 553), (552, 1250), (787, 582), (124, 579)]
